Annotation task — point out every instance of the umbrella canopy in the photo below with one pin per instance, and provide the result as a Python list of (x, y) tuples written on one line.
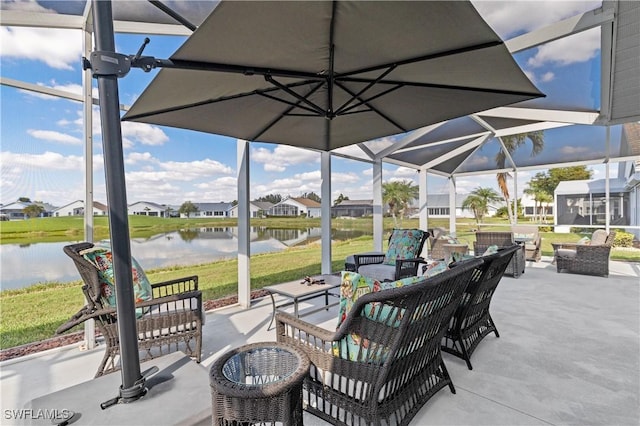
[(325, 74)]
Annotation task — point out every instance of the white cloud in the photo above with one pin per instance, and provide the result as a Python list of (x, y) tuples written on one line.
[(139, 157), (48, 160), (198, 168), (283, 156), (577, 48), (143, 133), (548, 76), (58, 48), (523, 16), (572, 150), (53, 136)]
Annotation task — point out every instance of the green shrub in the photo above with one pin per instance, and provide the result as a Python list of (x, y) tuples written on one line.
[(623, 239), (545, 229)]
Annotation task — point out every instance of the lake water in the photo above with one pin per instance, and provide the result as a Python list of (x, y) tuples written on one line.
[(23, 265)]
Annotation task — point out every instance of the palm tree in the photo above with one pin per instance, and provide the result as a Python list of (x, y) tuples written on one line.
[(511, 143), (398, 195), (478, 202)]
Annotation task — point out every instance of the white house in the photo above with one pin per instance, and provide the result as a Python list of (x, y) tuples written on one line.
[(146, 208), (256, 209), (532, 210), (213, 210), (296, 207), (76, 208), (15, 210)]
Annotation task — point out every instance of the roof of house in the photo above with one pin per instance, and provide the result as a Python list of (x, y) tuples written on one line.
[(304, 201), (222, 206), (581, 187), (262, 205), (349, 203)]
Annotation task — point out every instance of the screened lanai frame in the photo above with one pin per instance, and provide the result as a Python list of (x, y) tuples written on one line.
[(619, 103)]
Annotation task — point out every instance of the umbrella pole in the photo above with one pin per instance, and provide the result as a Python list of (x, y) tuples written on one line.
[(132, 381)]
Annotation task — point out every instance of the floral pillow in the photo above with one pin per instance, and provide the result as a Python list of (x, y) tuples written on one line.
[(404, 244), (493, 249), (434, 268), (102, 258), (353, 286)]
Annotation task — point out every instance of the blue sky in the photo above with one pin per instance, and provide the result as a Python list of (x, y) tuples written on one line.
[(41, 137)]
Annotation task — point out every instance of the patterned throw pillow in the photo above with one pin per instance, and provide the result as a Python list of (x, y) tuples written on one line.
[(353, 286), (434, 268), (584, 241), (102, 258), (404, 244), (490, 250)]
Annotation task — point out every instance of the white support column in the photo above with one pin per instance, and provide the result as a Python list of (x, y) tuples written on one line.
[(515, 197), (377, 205), (325, 207), (422, 199), (87, 86), (452, 205), (607, 203), (244, 253)]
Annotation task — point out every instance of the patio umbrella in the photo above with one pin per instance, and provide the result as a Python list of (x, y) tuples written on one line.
[(326, 74)]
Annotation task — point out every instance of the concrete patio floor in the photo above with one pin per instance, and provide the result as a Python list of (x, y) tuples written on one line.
[(569, 354)]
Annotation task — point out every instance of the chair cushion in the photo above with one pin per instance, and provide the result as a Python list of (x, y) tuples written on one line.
[(599, 237), (404, 244), (492, 249), (566, 253), (102, 258), (378, 271), (353, 286)]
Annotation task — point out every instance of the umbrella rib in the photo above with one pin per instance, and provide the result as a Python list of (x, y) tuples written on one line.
[(275, 120), (206, 102), (343, 108), (422, 58), (365, 101), (304, 99), (284, 101), (443, 86), (380, 113)]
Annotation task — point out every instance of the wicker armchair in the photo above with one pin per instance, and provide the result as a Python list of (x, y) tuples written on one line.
[(472, 321), (398, 363), (397, 263), (173, 318), (586, 259), (530, 236), (501, 239)]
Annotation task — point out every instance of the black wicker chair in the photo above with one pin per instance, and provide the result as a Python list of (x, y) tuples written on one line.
[(472, 321), (374, 389), (173, 319), (502, 239), (372, 264)]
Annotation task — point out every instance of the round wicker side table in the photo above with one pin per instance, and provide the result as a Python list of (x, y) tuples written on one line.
[(258, 383)]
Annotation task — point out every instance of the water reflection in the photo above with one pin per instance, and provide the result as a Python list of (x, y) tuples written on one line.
[(26, 264)]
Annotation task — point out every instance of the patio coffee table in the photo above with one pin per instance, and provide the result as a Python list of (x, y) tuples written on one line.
[(298, 292), (258, 383)]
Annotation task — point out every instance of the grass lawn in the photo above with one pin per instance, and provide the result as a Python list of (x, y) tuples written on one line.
[(33, 314)]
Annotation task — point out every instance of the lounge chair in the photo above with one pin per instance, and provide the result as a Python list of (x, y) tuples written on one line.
[(171, 319)]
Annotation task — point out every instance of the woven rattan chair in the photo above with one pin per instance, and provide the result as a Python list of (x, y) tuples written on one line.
[(501, 239), (472, 321), (398, 364), (405, 265), (530, 237), (585, 259), (173, 318)]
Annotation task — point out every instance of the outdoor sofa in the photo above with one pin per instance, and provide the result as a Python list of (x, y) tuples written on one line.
[(384, 361), (472, 320)]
